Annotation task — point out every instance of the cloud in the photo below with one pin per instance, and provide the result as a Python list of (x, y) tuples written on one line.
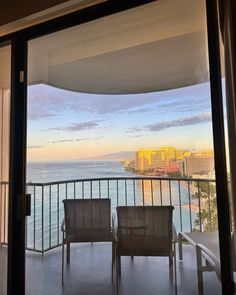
[(76, 139), (47, 101), (40, 114), (186, 105), (140, 135), (76, 126), (35, 146), (174, 105), (82, 126), (62, 140), (135, 129), (202, 118), (187, 121), (89, 138)]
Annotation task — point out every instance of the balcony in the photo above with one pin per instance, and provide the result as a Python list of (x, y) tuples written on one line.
[(90, 268), (90, 273)]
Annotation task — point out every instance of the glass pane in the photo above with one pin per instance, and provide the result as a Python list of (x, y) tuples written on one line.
[(120, 108), (230, 140), (5, 55)]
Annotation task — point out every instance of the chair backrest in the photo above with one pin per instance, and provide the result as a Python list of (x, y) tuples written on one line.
[(87, 219), (145, 230)]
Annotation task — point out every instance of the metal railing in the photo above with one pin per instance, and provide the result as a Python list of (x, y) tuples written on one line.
[(193, 199), (186, 195)]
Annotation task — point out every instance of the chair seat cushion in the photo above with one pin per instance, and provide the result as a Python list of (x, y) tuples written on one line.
[(144, 245), (88, 235)]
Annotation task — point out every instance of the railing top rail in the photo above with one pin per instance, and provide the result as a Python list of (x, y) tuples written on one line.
[(119, 178)]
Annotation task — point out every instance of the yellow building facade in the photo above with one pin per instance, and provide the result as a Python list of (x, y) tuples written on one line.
[(148, 159)]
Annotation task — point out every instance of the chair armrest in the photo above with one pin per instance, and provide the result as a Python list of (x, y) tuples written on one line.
[(63, 228), (210, 257)]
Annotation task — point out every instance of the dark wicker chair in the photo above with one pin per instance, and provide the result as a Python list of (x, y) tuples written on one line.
[(86, 220), (145, 231)]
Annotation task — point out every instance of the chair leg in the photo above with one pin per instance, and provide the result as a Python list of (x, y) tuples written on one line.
[(117, 280), (171, 267), (119, 264), (117, 272), (68, 252), (175, 270), (180, 238), (62, 265), (112, 260), (199, 270)]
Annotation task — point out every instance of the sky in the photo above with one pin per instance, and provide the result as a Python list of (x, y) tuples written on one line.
[(65, 125)]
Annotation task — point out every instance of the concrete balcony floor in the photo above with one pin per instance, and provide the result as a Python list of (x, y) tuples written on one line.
[(89, 273)]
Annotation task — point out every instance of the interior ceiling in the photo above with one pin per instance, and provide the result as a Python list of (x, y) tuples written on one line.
[(155, 47), (28, 13)]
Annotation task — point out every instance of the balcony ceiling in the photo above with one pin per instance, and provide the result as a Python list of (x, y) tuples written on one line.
[(155, 47)]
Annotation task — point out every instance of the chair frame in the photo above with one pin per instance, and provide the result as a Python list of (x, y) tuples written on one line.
[(212, 262), (67, 243), (172, 256)]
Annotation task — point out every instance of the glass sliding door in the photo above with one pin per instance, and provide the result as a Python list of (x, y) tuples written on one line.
[(5, 62), (124, 96)]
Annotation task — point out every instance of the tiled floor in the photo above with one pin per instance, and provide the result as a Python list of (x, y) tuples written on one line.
[(90, 273)]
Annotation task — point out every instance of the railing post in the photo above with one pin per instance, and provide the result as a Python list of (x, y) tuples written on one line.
[(42, 215), (190, 207), (161, 193), (180, 207), (199, 206), (50, 216), (126, 192), (34, 218), (58, 225)]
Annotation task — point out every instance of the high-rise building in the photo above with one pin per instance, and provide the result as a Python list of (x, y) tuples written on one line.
[(179, 154), (198, 164), (186, 154), (147, 159), (203, 153), (143, 160)]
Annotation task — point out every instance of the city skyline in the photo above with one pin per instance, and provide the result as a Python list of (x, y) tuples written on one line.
[(171, 160), (66, 125)]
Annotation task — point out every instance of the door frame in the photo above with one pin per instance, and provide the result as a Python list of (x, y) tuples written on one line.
[(19, 41), (17, 177)]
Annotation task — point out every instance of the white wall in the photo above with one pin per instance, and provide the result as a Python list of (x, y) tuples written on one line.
[(4, 160)]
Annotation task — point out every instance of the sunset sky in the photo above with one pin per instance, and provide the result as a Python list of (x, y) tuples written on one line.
[(66, 125)]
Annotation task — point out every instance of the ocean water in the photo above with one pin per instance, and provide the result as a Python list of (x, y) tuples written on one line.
[(43, 226), (59, 171)]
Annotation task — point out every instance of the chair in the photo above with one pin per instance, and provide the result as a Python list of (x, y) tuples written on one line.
[(145, 231), (86, 220), (206, 245)]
